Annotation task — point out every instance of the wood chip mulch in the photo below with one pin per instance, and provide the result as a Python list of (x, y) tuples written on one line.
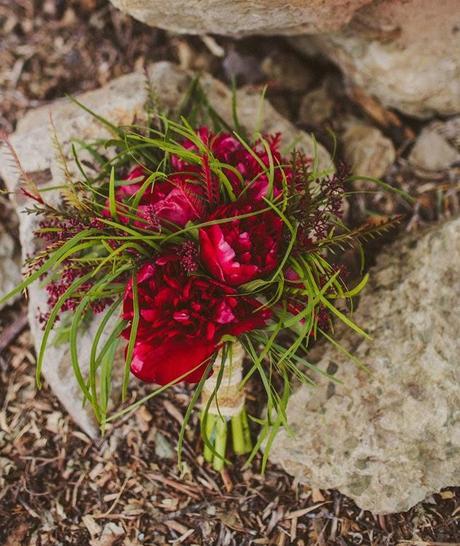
[(57, 487)]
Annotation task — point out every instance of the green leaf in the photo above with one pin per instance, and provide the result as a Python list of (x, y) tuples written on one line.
[(112, 200), (50, 323), (132, 337)]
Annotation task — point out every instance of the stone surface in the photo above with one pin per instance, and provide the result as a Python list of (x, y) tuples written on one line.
[(242, 67), (390, 437), (287, 72), (316, 106), (433, 150), (407, 54), (449, 129), (240, 17), (10, 264), (122, 102), (366, 150)]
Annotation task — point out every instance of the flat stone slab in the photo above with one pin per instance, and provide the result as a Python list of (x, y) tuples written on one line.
[(390, 437), (121, 102), (240, 17)]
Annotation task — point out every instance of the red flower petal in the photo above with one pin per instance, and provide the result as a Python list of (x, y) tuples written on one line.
[(165, 361), (244, 249)]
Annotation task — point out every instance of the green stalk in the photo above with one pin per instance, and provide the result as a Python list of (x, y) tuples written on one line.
[(238, 435), (209, 422), (220, 443), (214, 431), (246, 432), (241, 435)]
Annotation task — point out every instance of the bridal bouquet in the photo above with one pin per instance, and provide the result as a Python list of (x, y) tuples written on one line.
[(195, 246)]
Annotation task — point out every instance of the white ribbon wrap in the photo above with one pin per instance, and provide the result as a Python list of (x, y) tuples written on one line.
[(229, 399)]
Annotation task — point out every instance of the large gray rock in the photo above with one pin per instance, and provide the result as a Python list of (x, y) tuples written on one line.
[(122, 102), (390, 437), (407, 54), (240, 17)]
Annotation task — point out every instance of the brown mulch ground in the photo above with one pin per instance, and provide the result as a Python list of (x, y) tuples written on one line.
[(58, 487)]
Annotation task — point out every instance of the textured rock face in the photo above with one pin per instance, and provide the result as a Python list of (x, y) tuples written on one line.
[(10, 269), (366, 150), (407, 54), (240, 17), (121, 102), (316, 106), (437, 147), (389, 438)]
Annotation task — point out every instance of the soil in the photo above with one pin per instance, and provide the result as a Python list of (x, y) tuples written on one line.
[(59, 487)]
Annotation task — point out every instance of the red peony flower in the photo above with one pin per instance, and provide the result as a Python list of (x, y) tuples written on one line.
[(174, 200), (243, 249), (229, 150), (187, 192), (182, 320)]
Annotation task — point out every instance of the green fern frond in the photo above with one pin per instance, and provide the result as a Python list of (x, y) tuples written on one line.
[(361, 235)]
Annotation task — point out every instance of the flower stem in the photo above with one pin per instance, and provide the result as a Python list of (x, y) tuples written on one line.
[(220, 444), (240, 433), (209, 422), (223, 403), (246, 431), (215, 445)]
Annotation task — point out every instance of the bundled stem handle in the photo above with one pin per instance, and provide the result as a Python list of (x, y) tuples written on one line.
[(223, 401)]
